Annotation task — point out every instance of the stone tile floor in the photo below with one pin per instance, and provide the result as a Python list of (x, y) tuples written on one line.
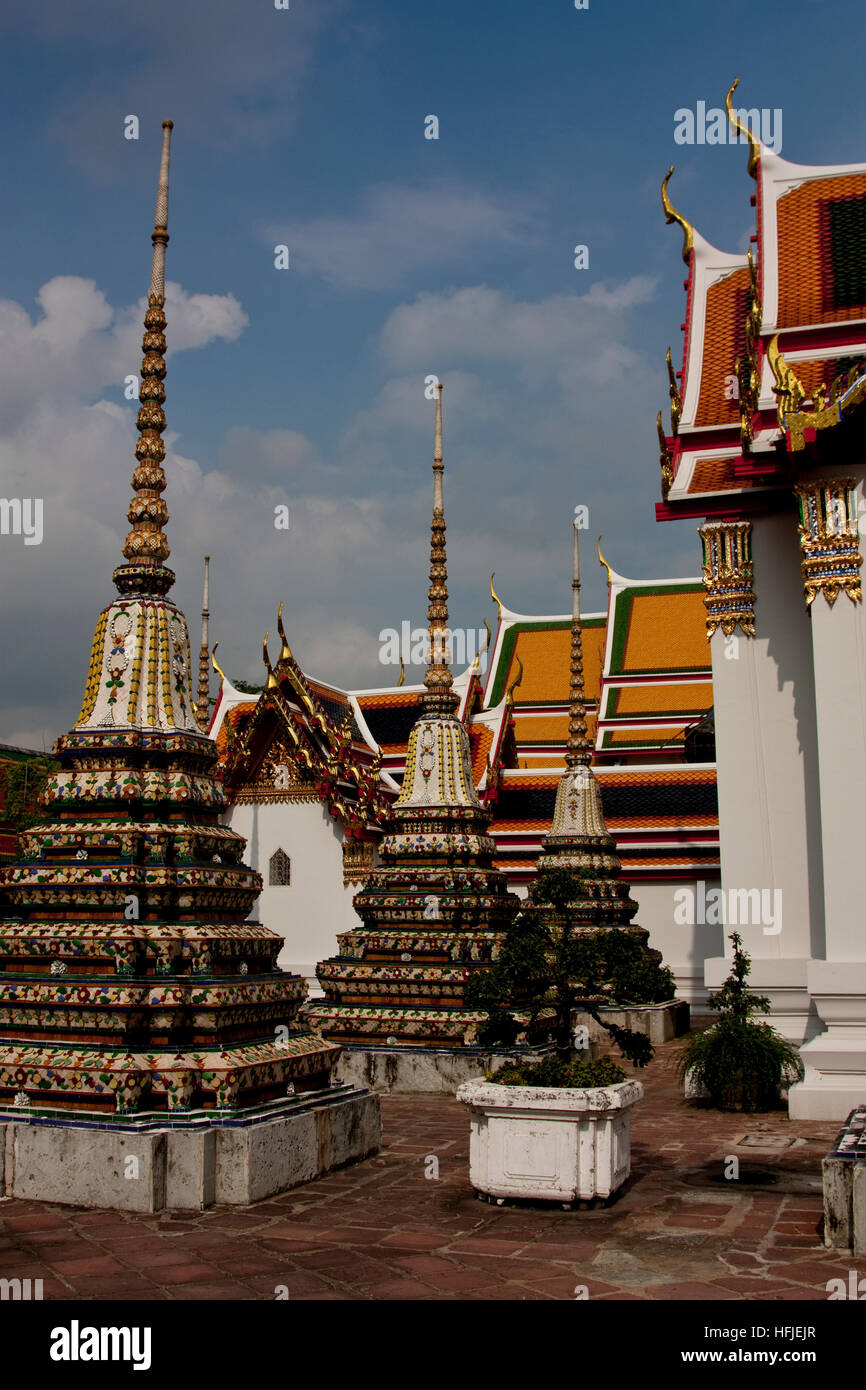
[(384, 1230)]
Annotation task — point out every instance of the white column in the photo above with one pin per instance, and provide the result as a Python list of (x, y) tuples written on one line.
[(766, 753)]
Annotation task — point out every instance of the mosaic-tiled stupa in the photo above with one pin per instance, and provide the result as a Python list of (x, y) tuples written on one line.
[(436, 909), (578, 840), (130, 982)]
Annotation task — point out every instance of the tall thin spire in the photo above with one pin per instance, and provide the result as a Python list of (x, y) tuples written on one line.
[(146, 548), (203, 705), (440, 698), (577, 749)]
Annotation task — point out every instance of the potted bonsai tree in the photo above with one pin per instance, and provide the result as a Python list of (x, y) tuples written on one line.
[(739, 1063), (559, 1128)]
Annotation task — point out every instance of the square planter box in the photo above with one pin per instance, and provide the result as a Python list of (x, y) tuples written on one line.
[(558, 1144)]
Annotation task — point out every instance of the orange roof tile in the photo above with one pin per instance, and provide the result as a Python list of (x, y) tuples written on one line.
[(803, 241), (667, 632), (724, 341), (480, 743), (680, 698), (385, 701), (546, 657), (234, 715), (716, 475)]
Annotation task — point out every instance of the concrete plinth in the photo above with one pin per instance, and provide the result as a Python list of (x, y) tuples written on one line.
[(660, 1022), (844, 1179), (151, 1163), (433, 1071), (835, 1062)]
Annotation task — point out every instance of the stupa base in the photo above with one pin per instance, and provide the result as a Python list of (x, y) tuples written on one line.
[(154, 1162), (429, 1070)]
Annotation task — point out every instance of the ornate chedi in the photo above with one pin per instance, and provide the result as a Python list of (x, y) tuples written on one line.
[(578, 839), (130, 983), (436, 909)]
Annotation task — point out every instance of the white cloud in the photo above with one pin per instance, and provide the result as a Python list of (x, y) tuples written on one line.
[(398, 230), (483, 323), (77, 344)]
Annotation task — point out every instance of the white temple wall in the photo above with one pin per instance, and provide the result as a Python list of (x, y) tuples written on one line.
[(685, 945), (769, 814), (315, 906)]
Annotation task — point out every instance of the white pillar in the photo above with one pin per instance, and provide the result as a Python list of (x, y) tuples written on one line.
[(766, 754), (835, 1061)]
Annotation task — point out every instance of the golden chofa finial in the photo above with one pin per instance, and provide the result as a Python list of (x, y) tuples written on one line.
[(671, 216), (518, 680), (272, 683), (285, 651), (674, 393), (788, 390), (603, 561), (493, 594), (734, 118), (215, 664), (402, 675)]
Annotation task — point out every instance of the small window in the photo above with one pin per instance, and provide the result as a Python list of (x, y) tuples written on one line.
[(280, 870)]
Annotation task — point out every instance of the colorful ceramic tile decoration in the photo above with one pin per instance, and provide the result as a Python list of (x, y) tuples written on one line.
[(130, 980), (436, 909)]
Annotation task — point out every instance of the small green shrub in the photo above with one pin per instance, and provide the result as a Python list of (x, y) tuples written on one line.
[(553, 1071), (743, 1064)]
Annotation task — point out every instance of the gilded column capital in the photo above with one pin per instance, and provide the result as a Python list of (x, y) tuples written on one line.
[(728, 576), (829, 539)]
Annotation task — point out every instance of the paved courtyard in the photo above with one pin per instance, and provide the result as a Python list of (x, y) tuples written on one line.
[(385, 1230)]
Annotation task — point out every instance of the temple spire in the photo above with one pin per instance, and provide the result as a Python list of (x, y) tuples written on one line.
[(577, 749), (440, 698), (146, 548), (203, 705)]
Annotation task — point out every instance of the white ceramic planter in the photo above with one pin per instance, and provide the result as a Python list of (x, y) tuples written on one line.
[(558, 1144)]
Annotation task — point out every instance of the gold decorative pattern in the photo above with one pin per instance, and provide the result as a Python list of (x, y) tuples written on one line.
[(664, 459), (788, 389), (359, 857), (674, 392), (829, 539), (728, 576), (749, 369), (94, 673)]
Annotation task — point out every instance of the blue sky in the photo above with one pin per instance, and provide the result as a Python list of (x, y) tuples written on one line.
[(408, 257)]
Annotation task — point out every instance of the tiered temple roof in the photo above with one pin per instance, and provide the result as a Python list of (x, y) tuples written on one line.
[(648, 660), (130, 981), (773, 340)]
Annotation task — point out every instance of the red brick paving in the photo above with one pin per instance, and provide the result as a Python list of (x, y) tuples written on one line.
[(381, 1230)]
